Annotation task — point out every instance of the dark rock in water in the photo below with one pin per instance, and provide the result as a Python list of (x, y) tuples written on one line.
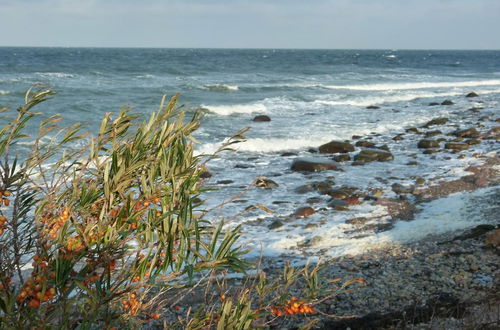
[(265, 183), (338, 193), (334, 147), (314, 200), (304, 189), (398, 137), (427, 143), (400, 189), (356, 137), (205, 175), (358, 163), (261, 118), (472, 94), (430, 152), (288, 154), (275, 224), (342, 158), (493, 131), (473, 142), (304, 212), (456, 146), (475, 232), (338, 205), (447, 102), (312, 150), (313, 165), (433, 133), (243, 166), (413, 163), (433, 104), (364, 158), (436, 121), (352, 200), (379, 154), (365, 144), (419, 181), (372, 107), (384, 147), (280, 202), (466, 133), (475, 110), (225, 182), (412, 130)]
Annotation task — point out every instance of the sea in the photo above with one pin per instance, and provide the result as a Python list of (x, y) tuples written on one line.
[(311, 97)]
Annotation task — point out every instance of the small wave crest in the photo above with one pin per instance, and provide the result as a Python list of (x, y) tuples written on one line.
[(221, 87), (226, 110), (4, 92), (55, 75), (415, 85)]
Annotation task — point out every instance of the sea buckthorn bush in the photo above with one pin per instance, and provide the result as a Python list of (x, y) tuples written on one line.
[(93, 227)]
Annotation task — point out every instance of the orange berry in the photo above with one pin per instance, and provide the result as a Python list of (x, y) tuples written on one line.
[(6, 202), (177, 307), (34, 303), (6, 193), (155, 316)]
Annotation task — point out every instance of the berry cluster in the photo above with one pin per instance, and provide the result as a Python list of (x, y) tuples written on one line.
[(55, 223), (3, 220), (291, 307), (4, 194), (35, 291)]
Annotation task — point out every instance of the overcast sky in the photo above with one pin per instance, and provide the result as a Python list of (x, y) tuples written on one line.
[(392, 24)]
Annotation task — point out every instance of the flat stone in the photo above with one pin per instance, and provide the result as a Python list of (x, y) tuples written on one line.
[(456, 146), (334, 147), (436, 121), (466, 133), (379, 154), (313, 165), (304, 212), (427, 144)]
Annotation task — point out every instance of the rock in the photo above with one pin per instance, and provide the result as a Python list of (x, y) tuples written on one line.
[(364, 158), (400, 189), (433, 104), (466, 133), (357, 221), (413, 163), (338, 193), (427, 143), (356, 137), (275, 224), (262, 182), (288, 154), (304, 212), (475, 232), (280, 202), (205, 175), (225, 181), (473, 142), (358, 163), (261, 118), (436, 121), (313, 200), (472, 94), (384, 147), (493, 239), (310, 226), (379, 154), (372, 107), (338, 205), (447, 102), (342, 158), (456, 146), (334, 147), (412, 130), (475, 110), (365, 144), (398, 137), (493, 131), (419, 181), (313, 165), (352, 200), (433, 133)]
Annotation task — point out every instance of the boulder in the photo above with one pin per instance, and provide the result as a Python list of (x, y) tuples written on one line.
[(466, 133), (342, 158), (472, 94), (372, 107), (436, 121), (379, 154), (456, 146), (304, 212), (473, 142), (447, 102), (261, 118), (313, 165), (275, 224), (400, 189), (338, 205), (335, 147), (338, 193), (361, 158), (433, 133), (412, 130), (262, 182), (365, 144), (427, 143)]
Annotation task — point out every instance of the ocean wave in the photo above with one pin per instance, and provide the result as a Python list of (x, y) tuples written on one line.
[(4, 92), (415, 85), (366, 101), (221, 87), (55, 75), (226, 110)]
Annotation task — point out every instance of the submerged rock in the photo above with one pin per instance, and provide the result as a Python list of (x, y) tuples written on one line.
[(466, 133), (447, 102), (436, 121), (261, 118), (365, 144), (433, 133), (456, 146), (334, 147), (373, 107), (304, 212), (342, 158), (427, 143), (313, 165), (379, 154), (472, 94)]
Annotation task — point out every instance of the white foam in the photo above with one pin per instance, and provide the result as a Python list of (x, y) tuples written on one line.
[(4, 92), (55, 75), (415, 85), (221, 87), (226, 110)]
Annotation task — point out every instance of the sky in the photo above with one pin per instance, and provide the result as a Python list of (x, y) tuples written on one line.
[(324, 24)]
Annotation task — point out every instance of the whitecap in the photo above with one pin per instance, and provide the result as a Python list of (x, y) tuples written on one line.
[(4, 92), (221, 87), (55, 75), (226, 110), (415, 85)]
